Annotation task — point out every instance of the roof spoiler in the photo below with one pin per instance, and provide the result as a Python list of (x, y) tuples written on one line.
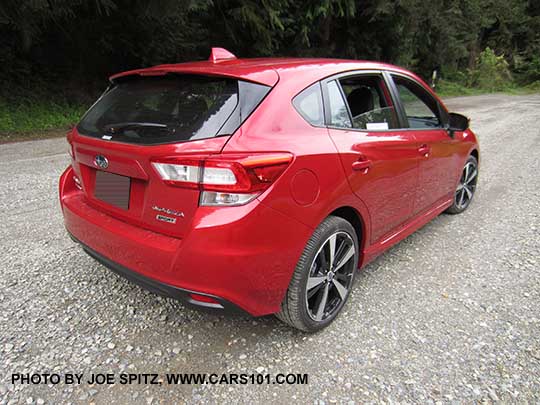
[(220, 54)]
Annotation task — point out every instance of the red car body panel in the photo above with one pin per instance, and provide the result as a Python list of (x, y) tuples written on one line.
[(246, 254)]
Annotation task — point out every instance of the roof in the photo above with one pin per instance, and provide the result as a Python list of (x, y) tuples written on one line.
[(262, 70)]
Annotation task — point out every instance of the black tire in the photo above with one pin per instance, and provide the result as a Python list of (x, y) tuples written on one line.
[(301, 307), (466, 187)]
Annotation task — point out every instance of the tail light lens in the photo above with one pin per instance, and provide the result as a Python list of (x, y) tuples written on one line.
[(185, 173), (224, 179), (70, 150), (219, 176), (215, 198)]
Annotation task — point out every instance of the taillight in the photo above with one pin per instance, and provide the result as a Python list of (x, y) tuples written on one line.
[(183, 173), (224, 179), (216, 198), (70, 150), (69, 139)]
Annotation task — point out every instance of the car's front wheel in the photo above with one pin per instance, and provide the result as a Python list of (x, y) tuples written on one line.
[(466, 187), (323, 277)]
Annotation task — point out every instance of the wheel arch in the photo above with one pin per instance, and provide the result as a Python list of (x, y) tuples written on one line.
[(475, 153), (352, 216)]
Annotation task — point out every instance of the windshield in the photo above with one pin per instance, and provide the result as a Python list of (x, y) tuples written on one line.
[(173, 108)]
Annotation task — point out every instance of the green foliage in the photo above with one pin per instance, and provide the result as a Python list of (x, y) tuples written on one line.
[(491, 72), (85, 41), (63, 50), (447, 88), (530, 70), (533, 87), (29, 117)]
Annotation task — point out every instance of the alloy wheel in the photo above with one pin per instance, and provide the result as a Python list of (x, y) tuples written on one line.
[(466, 186), (330, 276)]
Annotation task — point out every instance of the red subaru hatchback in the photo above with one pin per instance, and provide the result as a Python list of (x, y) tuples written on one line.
[(262, 185)]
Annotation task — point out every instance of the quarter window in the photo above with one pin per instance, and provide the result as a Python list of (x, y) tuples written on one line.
[(309, 104), (421, 109)]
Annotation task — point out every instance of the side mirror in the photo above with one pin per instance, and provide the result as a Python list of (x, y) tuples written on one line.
[(458, 122)]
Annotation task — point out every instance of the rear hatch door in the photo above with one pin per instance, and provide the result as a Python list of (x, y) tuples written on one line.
[(144, 119)]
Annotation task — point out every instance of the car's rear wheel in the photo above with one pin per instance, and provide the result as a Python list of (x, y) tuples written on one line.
[(466, 187), (323, 277)]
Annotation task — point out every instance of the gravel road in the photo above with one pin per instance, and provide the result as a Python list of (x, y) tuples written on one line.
[(451, 314)]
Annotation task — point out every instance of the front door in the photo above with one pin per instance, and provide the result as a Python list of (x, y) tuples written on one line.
[(438, 160)]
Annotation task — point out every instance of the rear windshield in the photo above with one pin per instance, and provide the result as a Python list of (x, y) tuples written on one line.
[(173, 108)]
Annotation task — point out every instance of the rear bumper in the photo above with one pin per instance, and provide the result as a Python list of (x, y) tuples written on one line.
[(163, 289), (241, 256)]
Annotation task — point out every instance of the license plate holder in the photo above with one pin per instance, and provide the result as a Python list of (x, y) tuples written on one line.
[(112, 189)]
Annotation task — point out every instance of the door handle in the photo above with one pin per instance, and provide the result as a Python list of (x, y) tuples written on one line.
[(424, 150), (361, 165)]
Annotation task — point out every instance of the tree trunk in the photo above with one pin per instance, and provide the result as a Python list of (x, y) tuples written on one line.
[(474, 51)]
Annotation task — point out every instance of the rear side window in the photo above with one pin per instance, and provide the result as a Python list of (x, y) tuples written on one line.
[(361, 102), (173, 108), (339, 115), (310, 106), (368, 104)]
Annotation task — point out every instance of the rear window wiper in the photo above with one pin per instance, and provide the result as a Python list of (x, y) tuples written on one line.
[(121, 126)]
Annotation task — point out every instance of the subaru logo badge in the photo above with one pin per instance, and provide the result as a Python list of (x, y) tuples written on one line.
[(101, 162)]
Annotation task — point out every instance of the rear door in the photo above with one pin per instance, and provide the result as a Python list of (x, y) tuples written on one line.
[(380, 160), (142, 120), (438, 159)]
